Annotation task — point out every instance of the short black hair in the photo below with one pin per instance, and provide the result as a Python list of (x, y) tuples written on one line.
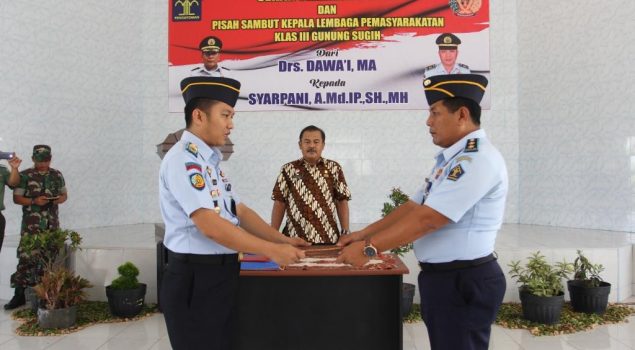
[(454, 103), (313, 128), (200, 103)]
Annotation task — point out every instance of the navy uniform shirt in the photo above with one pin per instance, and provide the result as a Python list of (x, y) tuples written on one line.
[(190, 178), (438, 69), (468, 185)]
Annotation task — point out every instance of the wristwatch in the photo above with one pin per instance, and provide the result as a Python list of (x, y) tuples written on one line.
[(369, 249), (345, 232)]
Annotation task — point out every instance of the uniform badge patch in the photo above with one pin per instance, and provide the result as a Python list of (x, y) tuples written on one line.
[(192, 148), (471, 146), (193, 166), (456, 172), (462, 158), (197, 181)]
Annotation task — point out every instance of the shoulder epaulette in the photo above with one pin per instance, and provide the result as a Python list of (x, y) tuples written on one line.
[(471, 146), (192, 148), (429, 67), (463, 65), (196, 68), (225, 68)]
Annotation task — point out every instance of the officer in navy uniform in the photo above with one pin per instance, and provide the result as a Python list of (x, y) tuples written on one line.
[(210, 55), (206, 223), (453, 220), (448, 52)]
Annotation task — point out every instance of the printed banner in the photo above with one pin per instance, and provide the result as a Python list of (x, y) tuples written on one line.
[(327, 55)]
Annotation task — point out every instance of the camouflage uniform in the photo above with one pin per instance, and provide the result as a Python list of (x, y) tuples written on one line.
[(35, 217)]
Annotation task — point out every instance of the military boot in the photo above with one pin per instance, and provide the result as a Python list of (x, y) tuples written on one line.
[(17, 300)]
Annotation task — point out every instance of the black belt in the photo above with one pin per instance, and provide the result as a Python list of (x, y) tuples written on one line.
[(456, 264), (217, 259)]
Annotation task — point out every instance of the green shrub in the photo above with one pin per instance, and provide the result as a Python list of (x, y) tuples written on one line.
[(540, 278), (127, 279), (397, 198), (585, 271)]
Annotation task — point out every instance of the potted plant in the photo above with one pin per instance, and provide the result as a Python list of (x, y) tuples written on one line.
[(397, 198), (59, 292), (588, 292), (44, 249), (126, 296), (541, 289)]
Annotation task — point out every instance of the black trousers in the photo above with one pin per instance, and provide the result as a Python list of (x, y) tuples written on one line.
[(459, 306), (197, 300), (3, 224)]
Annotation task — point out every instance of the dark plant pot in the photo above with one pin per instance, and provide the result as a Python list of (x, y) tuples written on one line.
[(407, 295), (31, 298), (57, 318), (544, 310), (590, 300), (126, 303)]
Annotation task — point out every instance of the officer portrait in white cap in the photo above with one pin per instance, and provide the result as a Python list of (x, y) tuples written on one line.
[(448, 52), (210, 56)]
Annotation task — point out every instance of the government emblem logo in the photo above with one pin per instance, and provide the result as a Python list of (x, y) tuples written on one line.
[(465, 8), (197, 181), (186, 10)]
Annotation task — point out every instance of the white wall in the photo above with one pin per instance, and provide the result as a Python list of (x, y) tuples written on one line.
[(577, 128), (71, 77), (90, 79)]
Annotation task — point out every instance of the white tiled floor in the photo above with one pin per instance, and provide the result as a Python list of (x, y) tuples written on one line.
[(150, 334)]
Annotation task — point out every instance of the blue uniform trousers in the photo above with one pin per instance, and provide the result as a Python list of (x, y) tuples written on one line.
[(197, 300), (459, 306)]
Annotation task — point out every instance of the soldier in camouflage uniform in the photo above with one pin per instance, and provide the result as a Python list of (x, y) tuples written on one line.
[(40, 191)]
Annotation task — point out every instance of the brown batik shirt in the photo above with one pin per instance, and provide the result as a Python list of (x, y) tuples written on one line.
[(309, 194)]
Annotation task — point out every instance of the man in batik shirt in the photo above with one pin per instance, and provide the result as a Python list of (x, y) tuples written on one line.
[(310, 191)]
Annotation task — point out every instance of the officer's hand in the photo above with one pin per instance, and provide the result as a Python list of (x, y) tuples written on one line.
[(353, 254), (15, 162), (297, 242), (285, 254), (349, 238), (41, 200)]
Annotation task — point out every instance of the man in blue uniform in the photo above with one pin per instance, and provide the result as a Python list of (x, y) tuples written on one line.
[(210, 55), (453, 220), (448, 52), (206, 223)]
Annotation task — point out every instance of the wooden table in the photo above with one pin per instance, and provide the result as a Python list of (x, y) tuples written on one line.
[(322, 309)]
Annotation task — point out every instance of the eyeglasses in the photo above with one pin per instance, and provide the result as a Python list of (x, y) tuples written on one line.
[(211, 53)]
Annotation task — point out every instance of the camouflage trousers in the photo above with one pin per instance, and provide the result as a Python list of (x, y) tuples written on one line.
[(30, 267)]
